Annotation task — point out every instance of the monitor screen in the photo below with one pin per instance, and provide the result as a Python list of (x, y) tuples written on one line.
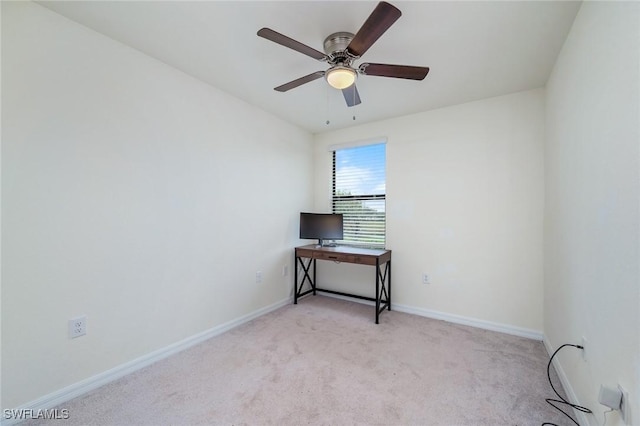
[(321, 226)]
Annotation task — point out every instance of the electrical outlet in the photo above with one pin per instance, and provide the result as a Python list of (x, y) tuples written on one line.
[(285, 270), (258, 277), (77, 327), (624, 406), (583, 343), (425, 278), (610, 397)]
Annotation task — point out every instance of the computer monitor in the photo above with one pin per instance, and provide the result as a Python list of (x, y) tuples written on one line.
[(321, 226)]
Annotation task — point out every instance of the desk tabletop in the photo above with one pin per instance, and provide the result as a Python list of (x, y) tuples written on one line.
[(346, 250)]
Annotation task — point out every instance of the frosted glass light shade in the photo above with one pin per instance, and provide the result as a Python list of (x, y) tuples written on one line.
[(341, 77)]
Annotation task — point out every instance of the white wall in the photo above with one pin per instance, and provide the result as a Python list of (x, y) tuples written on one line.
[(464, 204), (127, 187), (592, 217), (134, 194)]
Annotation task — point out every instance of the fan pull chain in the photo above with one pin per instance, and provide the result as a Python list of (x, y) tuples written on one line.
[(326, 91)]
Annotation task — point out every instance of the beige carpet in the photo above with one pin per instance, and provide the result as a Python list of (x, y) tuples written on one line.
[(324, 361)]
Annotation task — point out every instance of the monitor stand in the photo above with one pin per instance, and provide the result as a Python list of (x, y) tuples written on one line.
[(321, 244)]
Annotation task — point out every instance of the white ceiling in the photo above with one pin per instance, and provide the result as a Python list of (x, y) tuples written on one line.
[(475, 49)]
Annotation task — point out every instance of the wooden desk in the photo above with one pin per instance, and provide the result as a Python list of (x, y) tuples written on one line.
[(380, 258)]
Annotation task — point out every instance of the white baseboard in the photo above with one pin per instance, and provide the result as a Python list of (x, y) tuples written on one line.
[(456, 319), (582, 418), (58, 397), (473, 322)]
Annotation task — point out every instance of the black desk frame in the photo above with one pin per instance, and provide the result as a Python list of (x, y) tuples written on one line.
[(306, 257)]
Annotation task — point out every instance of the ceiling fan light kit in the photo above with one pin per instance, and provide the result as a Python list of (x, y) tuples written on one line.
[(340, 77), (342, 48)]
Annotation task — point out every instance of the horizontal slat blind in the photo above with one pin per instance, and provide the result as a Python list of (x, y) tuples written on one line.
[(359, 192)]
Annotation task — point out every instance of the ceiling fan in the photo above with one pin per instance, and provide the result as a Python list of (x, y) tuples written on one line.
[(343, 48)]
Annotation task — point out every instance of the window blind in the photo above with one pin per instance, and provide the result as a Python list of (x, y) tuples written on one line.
[(359, 193)]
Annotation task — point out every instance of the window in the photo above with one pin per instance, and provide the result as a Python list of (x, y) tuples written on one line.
[(359, 188)]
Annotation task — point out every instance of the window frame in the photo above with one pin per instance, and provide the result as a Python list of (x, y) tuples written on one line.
[(363, 197)]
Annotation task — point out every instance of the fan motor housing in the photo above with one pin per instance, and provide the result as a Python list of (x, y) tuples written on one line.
[(336, 44)]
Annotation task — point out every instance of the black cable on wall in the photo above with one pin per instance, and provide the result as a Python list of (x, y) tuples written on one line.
[(562, 402)]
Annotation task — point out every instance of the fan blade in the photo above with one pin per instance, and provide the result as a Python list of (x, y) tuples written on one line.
[(300, 81), (382, 17), (351, 95), (285, 41), (395, 71)]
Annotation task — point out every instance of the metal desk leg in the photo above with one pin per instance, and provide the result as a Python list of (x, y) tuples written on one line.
[(378, 291), (295, 280), (305, 269), (389, 287)]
